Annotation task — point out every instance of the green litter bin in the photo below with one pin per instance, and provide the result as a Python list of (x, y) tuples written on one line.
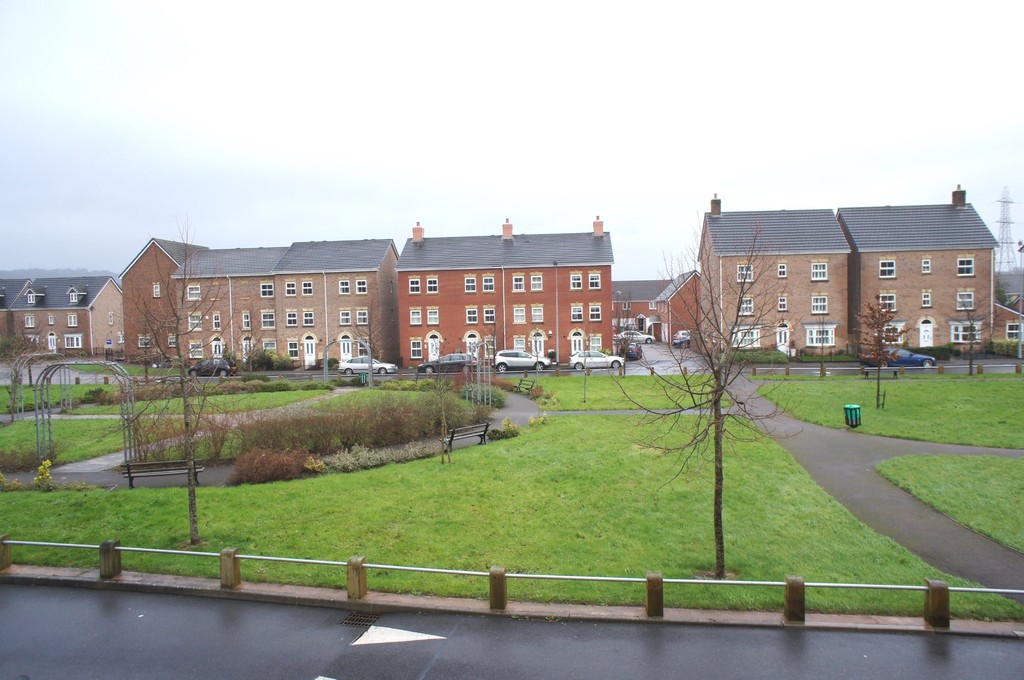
[(852, 415), (362, 378)]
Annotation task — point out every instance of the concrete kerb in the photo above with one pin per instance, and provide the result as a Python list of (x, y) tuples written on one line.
[(376, 602)]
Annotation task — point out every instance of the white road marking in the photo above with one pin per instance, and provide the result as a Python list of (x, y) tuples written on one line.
[(379, 635)]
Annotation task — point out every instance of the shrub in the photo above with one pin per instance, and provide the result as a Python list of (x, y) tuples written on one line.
[(93, 396), (508, 430), (18, 459), (282, 364), (43, 481), (497, 397), (363, 458), (260, 466), (942, 353), (332, 363)]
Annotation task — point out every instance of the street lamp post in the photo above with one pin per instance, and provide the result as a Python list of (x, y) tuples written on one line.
[(558, 335), (1020, 303)]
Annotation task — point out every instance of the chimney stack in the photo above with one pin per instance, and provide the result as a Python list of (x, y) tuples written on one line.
[(506, 230), (959, 197), (716, 205), (598, 226), (417, 233)]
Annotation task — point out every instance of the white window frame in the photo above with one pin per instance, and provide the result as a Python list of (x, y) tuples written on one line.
[(344, 317), (1012, 330), (470, 284), (144, 341), (594, 281), (290, 288), (537, 313), (269, 345), (783, 270), (536, 282), (361, 287), (414, 286), (30, 321), (194, 292), (595, 313), (926, 298), (432, 285), (308, 318), (819, 271), (819, 304), (433, 317), (746, 306), (472, 316), (958, 335), (746, 337), (783, 305), (926, 265), (215, 319), (887, 269), (156, 290), (344, 286), (518, 283), (964, 300), (965, 266), (291, 319), (416, 348), (195, 322), (172, 341), (110, 318), (490, 315), (415, 317), (293, 349), (488, 284), (519, 314), (267, 289), (820, 336), (246, 321), (268, 320), (72, 321), (887, 301), (72, 341), (576, 313), (744, 273), (362, 317), (575, 281), (307, 287)]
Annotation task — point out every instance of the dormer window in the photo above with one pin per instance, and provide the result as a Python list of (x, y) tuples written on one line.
[(31, 298), (73, 297)]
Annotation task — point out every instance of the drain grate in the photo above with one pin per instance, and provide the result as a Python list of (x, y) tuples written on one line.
[(360, 619)]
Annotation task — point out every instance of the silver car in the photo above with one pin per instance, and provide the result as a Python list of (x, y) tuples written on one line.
[(514, 359), (362, 365), (593, 359)]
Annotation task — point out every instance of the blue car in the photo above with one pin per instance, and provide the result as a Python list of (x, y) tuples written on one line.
[(902, 357)]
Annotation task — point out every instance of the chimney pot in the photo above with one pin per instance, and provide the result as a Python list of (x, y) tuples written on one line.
[(716, 205), (598, 227), (417, 233)]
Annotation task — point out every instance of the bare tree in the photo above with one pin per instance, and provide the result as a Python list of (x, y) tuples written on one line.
[(712, 406), (173, 327), (878, 339)]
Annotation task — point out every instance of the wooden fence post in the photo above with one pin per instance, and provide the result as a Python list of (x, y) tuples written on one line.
[(655, 594), (753, 370), (936, 603), (356, 589), (981, 369), (230, 568), (498, 588), (110, 559), (5, 552), (795, 607)]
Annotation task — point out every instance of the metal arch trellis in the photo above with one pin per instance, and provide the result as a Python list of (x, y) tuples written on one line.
[(21, 363), (44, 404)]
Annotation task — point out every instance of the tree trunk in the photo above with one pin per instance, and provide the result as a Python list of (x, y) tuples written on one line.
[(719, 488)]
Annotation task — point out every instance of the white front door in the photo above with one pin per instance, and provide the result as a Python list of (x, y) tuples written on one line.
[(309, 345), (51, 342), (538, 344), (345, 348), (782, 339), (925, 333), (217, 347), (433, 347)]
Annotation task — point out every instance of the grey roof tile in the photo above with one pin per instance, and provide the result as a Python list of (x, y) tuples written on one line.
[(177, 250), (232, 262), (523, 250), (55, 291), (9, 289), (317, 256), (674, 285), (640, 290), (777, 231), (916, 227)]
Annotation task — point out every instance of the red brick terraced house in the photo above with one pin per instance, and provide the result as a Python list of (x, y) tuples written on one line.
[(295, 301), (539, 293), (73, 316), (933, 264), (634, 307), (784, 270), (676, 304)]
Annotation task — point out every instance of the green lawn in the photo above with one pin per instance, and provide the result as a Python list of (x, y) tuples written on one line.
[(74, 439), (610, 393), (982, 492), (576, 495), (972, 412)]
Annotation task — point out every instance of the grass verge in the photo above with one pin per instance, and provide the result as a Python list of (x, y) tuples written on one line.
[(613, 393), (74, 439), (974, 413), (575, 495), (973, 490)]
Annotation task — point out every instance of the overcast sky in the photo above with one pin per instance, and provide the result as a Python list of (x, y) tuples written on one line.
[(261, 124)]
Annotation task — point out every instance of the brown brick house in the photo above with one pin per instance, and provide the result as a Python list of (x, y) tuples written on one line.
[(634, 305), (533, 292), (74, 316), (778, 278), (294, 301), (933, 264), (10, 289)]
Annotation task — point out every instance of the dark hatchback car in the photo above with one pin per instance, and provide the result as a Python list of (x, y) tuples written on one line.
[(633, 352), (216, 366), (902, 357), (448, 363)]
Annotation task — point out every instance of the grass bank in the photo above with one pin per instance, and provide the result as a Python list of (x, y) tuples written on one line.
[(613, 393), (576, 495)]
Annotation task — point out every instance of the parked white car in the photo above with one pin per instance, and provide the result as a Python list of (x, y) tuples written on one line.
[(593, 359), (362, 365), (634, 336), (516, 359)]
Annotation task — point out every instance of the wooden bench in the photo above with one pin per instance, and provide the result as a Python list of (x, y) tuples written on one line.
[(525, 385), (468, 432), (155, 468)]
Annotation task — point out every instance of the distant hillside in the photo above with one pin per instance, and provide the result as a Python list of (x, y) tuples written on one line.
[(45, 273)]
